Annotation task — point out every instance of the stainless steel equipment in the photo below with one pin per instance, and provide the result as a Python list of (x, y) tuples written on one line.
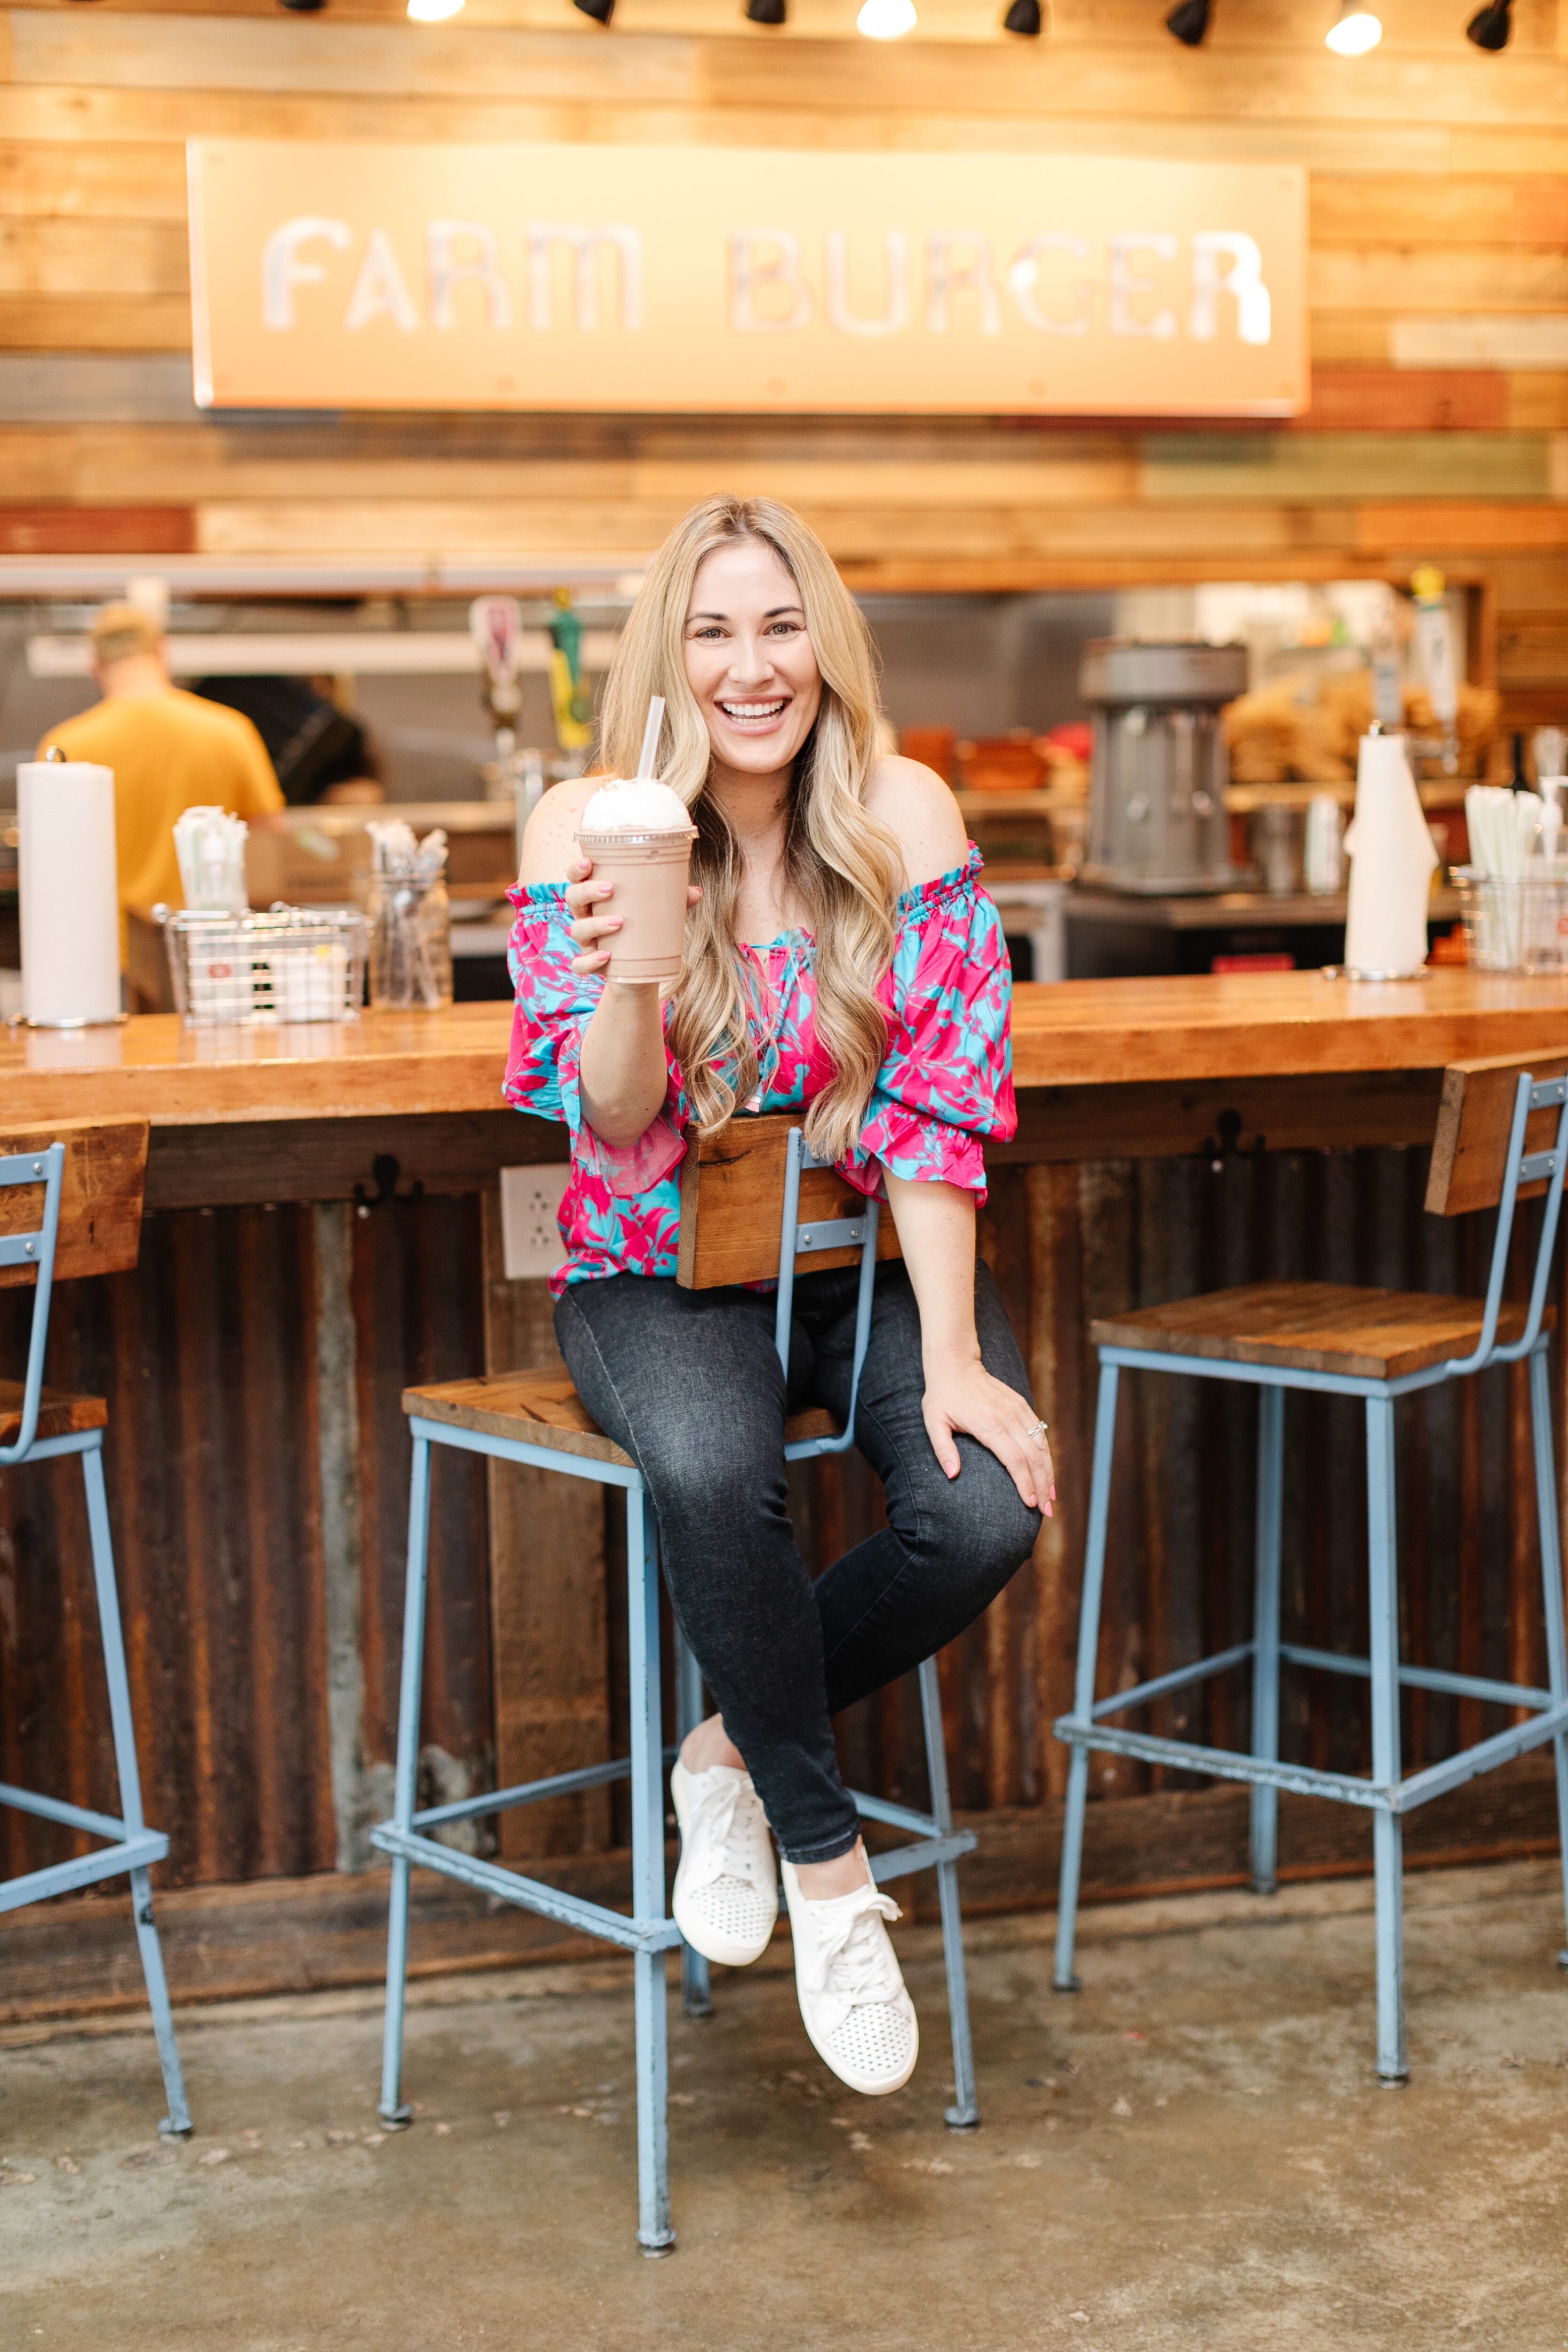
[(1157, 813)]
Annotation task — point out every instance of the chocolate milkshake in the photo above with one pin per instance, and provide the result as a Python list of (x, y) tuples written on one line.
[(637, 834)]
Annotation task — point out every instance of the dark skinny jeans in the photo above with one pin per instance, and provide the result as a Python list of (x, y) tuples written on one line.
[(689, 1383)]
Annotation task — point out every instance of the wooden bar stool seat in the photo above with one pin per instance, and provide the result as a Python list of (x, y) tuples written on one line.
[(753, 1202), (1502, 1137), (70, 1203), (1314, 1326), (544, 1409), (58, 1415)]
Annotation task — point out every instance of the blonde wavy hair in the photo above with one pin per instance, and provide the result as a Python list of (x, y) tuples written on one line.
[(841, 864)]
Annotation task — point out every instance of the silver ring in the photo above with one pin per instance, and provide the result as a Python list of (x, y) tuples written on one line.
[(1039, 1429)]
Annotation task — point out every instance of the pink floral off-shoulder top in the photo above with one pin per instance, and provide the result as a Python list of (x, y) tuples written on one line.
[(946, 1081)]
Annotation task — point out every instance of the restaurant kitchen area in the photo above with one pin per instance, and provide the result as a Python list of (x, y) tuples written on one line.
[(386, 698), (1145, 625)]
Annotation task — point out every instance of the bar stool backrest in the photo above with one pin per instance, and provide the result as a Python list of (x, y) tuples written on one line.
[(70, 1203), (754, 1201), (1502, 1137)]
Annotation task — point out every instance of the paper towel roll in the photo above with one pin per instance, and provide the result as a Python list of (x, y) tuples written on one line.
[(1391, 857), (71, 900)]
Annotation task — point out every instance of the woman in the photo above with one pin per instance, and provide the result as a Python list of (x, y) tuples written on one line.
[(840, 960)]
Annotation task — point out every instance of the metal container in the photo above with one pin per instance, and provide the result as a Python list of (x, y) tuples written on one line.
[(295, 963), (1325, 852), (1278, 837), (1157, 813)]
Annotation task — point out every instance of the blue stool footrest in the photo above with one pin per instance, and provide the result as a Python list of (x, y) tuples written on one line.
[(1304, 1780), (528, 1893), (526, 1792), (1454, 1771), (903, 1861), (53, 1808), (138, 1853), (1224, 1763), (1328, 1662), (896, 1817)]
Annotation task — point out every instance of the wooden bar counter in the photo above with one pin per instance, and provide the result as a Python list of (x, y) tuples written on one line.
[(1108, 1042), (323, 1228), (1076, 1033)]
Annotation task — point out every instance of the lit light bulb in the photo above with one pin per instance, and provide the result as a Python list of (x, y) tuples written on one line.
[(886, 20), (433, 12), (1355, 31)]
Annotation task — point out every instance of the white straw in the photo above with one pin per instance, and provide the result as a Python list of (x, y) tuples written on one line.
[(647, 763)]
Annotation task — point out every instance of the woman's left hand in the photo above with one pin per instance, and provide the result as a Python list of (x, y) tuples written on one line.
[(962, 1395)]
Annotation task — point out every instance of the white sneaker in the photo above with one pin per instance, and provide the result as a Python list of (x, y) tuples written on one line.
[(726, 1896), (861, 2020)]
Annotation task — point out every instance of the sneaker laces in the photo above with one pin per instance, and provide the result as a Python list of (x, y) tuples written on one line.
[(722, 1855), (853, 1963)]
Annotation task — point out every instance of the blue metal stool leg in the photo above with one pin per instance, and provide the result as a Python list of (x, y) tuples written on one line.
[(963, 2114), (177, 2121), (655, 2235), (1388, 1836), (1265, 1635), (390, 2107), (697, 1993), (1083, 1689), (1551, 1587)]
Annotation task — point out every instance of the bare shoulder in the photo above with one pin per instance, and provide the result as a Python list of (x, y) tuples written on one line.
[(920, 813), (549, 842)]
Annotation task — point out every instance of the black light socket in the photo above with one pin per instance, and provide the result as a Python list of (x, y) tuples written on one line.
[(766, 11), (1189, 21), (1024, 17), (303, 7), (1490, 27), (600, 11)]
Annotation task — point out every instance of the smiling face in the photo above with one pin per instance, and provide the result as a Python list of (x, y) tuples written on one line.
[(749, 659)]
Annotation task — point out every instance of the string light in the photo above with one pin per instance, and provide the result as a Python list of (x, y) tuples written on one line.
[(1354, 32), (428, 12), (1189, 21), (883, 20), (766, 11), (1024, 17)]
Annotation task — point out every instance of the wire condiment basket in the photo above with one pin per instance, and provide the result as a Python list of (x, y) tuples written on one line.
[(292, 963)]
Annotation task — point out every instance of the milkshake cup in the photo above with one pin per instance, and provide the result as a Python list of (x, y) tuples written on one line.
[(637, 834)]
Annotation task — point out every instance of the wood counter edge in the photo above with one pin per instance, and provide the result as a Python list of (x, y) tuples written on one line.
[(458, 1076)]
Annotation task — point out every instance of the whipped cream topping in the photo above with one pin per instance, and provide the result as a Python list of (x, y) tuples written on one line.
[(635, 804)]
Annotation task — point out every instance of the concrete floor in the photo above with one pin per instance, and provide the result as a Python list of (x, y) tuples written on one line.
[(1192, 2153)]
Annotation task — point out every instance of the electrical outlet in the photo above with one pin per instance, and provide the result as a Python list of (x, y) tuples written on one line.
[(531, 1245)]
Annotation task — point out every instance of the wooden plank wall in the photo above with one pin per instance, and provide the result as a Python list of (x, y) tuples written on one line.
[(1439, 271)]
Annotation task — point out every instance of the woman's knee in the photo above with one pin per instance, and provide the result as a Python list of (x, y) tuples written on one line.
[(980, 1522), (702, 1492)]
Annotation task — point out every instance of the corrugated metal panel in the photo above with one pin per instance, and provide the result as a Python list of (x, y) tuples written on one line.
[(209, 1356), (204, 1355), (244, 1567)]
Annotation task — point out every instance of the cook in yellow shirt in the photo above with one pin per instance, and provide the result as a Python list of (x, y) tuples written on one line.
[(170, 752)]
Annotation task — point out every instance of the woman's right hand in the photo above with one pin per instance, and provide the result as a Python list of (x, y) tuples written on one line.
[(591, 931)]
